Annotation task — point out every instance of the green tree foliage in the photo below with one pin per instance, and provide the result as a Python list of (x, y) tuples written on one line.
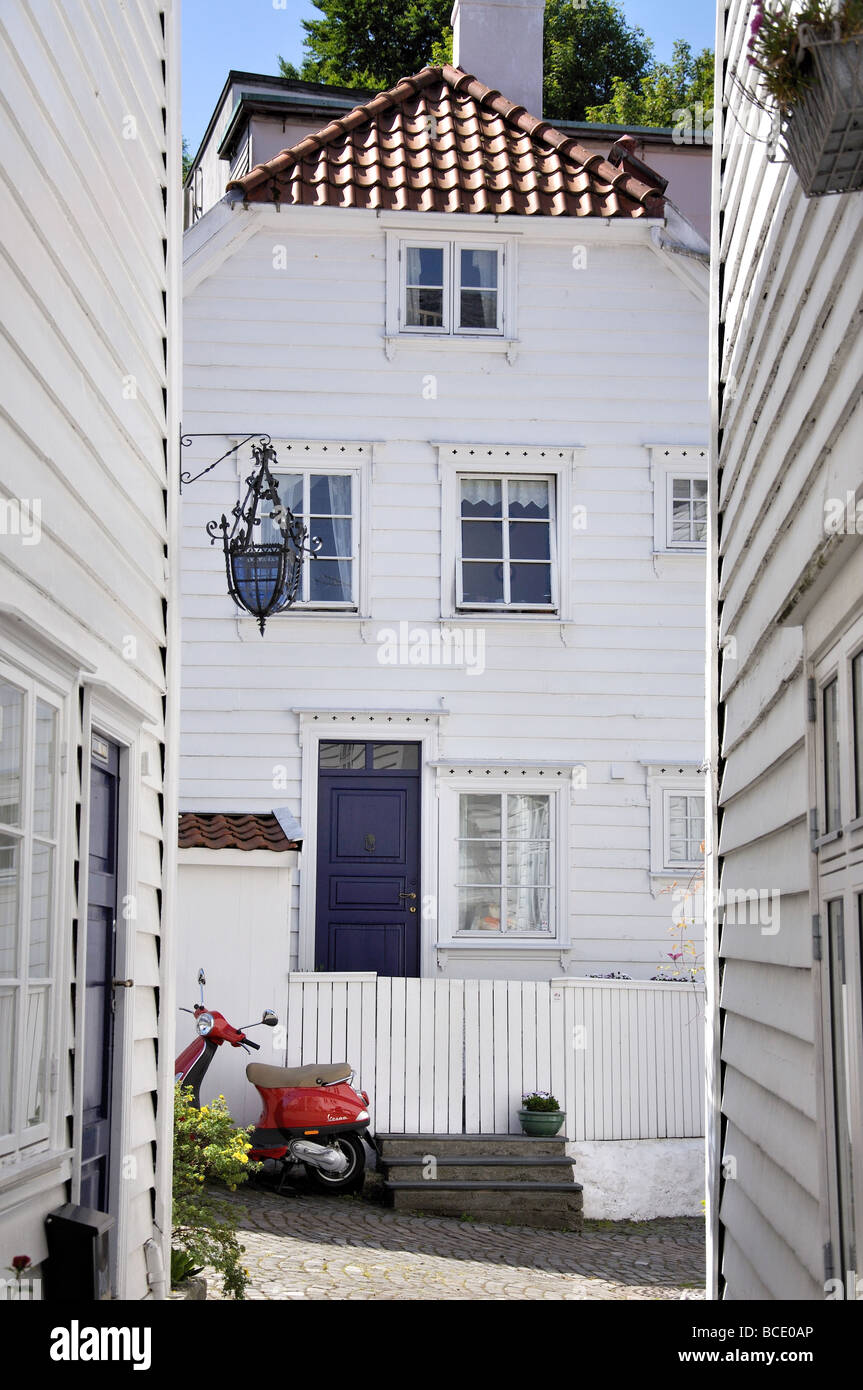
[(372, 43), (587, 46), (596, 66), (662, 93)]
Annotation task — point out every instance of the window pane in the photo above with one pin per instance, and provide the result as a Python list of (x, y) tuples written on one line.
[(529, 540), (482, 583), (343, 755), (530, 584), (330, 581), (527, 863), (841, 1045), (528, 498), (527, 910), (9, 862), (424, 308), (7, 1019), (392, 757), (329, 494), (680, 518), (334, 535), (478, 309), (479, 861), (40, 908), (11, 716), (482, 539), (479, 817), (857, 683), (43, 787), (685, 828), (830, 707), (424, 266), (35, 1055), (479, 269), (481, 497), (527, 817), (680, 487), (291, 491), (478, 910)]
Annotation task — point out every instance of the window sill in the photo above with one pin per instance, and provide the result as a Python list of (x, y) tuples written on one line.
[(453, 342), (43, 1170)]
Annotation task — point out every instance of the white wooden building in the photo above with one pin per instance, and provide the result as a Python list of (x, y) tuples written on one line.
[(786, 1147), (90, 218), (480, 352)]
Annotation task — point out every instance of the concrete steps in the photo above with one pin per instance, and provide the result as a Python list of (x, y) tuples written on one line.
[(504, 1178)]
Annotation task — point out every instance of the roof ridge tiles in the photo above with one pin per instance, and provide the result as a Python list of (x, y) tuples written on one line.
[(503, 158)]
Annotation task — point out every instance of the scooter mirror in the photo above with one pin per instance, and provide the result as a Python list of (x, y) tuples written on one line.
[(269, 1018), (202, 979)]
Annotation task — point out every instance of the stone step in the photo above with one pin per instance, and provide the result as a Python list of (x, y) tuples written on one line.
[(447, 1146), (550, 1169), (549, 1206)]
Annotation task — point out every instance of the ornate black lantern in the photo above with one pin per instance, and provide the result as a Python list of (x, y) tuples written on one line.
[(263, 575)]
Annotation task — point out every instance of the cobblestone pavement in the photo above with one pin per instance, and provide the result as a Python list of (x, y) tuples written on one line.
[(306, 1246)]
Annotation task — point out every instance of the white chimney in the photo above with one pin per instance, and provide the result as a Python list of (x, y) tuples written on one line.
[(500, 42)]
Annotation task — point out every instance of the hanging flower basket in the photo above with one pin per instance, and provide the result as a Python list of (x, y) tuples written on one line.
[(822, 133)]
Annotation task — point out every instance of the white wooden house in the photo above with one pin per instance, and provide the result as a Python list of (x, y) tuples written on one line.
[(480, 352), (786, 1146), (88, 485)]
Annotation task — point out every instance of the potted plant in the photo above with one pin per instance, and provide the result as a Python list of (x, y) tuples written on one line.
[(810, 57), (540, 1116)]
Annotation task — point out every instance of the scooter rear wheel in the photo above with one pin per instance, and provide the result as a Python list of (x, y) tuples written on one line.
[(351, 1180)]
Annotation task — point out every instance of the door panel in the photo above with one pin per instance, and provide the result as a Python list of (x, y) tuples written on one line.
[(368, 860), (99, 1006)]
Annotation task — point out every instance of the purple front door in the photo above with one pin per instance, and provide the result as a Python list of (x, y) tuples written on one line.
[(368, 892)]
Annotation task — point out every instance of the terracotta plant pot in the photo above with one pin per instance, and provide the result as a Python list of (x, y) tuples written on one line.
[(541, 1124)]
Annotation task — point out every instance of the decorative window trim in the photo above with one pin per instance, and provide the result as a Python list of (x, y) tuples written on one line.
[(668, 462), (46, 670), (328, 456), (517, 460), (397, 333), (452, 781), (664, 780)]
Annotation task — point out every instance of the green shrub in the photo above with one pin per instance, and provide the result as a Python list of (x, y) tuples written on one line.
[(539, 1100), (208, 1149)]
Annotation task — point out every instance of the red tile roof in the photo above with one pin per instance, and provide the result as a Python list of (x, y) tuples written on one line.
[(210, 830), (444, 142)]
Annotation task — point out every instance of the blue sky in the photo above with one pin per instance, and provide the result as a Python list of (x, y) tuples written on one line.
[(249, 35)]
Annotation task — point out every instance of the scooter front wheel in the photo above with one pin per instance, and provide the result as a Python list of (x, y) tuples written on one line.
[(351, 1180)]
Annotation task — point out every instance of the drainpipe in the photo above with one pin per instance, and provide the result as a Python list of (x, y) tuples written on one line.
[(155, 1269)]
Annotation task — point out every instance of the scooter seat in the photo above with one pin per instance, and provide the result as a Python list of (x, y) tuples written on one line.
[(311, 1075)]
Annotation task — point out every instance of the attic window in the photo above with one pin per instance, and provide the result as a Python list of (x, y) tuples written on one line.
[(451, 287)]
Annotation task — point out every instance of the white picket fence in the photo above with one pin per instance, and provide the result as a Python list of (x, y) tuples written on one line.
[(624, 1058)]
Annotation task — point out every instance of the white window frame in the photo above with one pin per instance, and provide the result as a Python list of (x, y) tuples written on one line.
[(508, 605), (516, 461), (678, 865), (452, 246), (664, 781), (668, 462), (452, 784), (334, 457), (25, 1144)]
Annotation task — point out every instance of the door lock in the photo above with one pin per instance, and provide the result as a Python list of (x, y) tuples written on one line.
[(407, 895), (122, 984)]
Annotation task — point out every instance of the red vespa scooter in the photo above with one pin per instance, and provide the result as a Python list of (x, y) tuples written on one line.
[(311, 1115)]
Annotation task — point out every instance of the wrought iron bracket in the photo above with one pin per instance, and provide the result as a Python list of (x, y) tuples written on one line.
[(186, 440)]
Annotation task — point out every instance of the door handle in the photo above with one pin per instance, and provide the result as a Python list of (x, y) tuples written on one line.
[(407, 895), (122, 984)]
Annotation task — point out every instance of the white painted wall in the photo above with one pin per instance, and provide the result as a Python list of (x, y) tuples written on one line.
[(90, 415), (609, 358), (640, 1179), (234, 920), (786, 379)]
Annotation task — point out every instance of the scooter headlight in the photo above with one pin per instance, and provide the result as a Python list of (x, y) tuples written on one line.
[(204, 1023)]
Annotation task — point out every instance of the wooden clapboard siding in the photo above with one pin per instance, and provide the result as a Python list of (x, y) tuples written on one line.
[(88, 419), (611, 358), (787, 378)]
